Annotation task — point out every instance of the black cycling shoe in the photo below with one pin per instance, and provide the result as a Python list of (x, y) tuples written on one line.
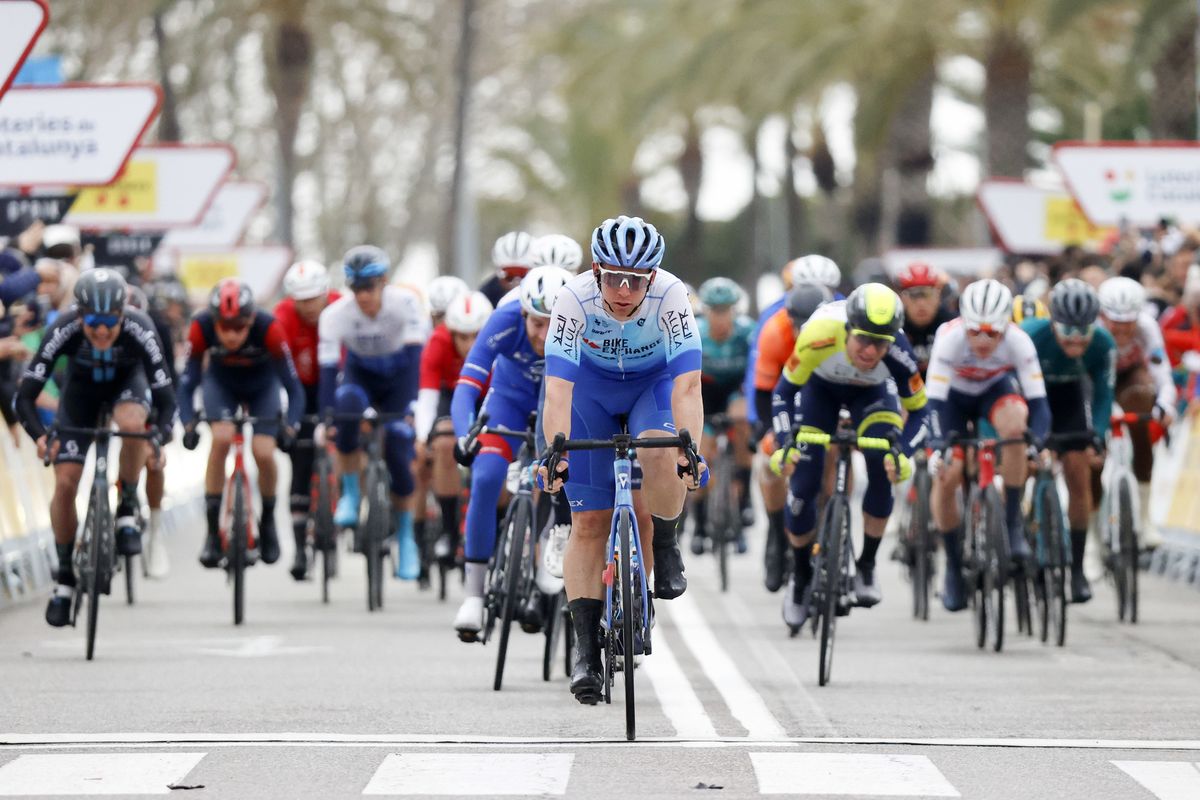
[(211, 555), (773, 561), (587, 673), (1081, 590), (268, 541), (698, 538), (58, 612), (669, 580), (299, 568), (531, 614), (129, 538)]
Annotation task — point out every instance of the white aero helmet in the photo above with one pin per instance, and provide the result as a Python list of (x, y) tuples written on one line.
[(557, 250), (986, 304), (816, 269), (1122, 299), (467, 312), (540, 287), (305, 280), (514, 249), (442, 290)]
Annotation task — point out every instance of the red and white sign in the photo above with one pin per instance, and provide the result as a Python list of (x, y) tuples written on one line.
[(262, 268), (162, 186), (21, 22), (1133, 182), (223, 225), (72, 135), (1030, 220), (968, 261)]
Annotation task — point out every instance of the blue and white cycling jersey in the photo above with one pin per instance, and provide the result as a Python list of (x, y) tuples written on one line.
[(585, 340), (504, 351)]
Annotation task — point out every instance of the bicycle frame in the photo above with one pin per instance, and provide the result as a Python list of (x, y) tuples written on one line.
[(239, 473), (623, 501)]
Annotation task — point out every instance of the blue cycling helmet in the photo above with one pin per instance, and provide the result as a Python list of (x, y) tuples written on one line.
[(628, 242), (365, 262)]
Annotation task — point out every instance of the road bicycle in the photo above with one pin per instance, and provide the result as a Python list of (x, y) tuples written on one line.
[(915, 523), (323, 496), (95, 557), (721, 498), (628, 614)]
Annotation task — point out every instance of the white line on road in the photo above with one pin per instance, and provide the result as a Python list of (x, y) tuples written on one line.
[(488, 774), (849, 773), (78, 773), (744, 702), (1166, 780), (676, 695)]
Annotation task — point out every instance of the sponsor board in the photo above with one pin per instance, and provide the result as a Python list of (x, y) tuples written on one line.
[(1133, 183), (21, 22)]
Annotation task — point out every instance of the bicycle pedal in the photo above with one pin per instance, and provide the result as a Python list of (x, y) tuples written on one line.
[(470, 637)]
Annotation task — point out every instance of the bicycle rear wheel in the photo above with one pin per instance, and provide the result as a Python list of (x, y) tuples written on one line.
[(517, 530), (95, 562), (128, 580), (630, 620), (237, 547), (919, 540), (1127, 564), (720, 501), (996, 575), (834, 533), (1054, 575)]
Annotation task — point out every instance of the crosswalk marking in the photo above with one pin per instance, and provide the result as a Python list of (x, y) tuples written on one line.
[(95, 773), (849, 774), (472, 774), (675, 693), (1166, 780)]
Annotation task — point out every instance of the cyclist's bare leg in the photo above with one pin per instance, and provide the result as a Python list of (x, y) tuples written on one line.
[(664, 492), (1078, 475), (351, 463), (263, 449), (943, 500), (583, 562), (155, 488), (222, 440), (131, 418), (63, 517)]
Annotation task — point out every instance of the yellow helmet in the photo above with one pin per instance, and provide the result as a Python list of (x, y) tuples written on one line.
[(1028, 308)]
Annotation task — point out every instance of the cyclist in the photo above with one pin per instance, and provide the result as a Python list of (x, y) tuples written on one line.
[(241, 341), (1073, 352), (775, 345), (512, 348), (441, 363), (623, 348), (442, 290), (512, 256), (725, 342), (920, 287), (850, 354), (557, 250), (1143, 385), (306, 285), (114, 357), (1025, 307), (981, 367), (382, 330)]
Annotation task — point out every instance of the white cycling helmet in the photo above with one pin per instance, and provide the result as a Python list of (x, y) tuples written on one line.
[(468, 312), (514, 249), (1122, 299), (442, 290), (305, 280), (540, 287), (557, 250), (816, 269), (986, 304)]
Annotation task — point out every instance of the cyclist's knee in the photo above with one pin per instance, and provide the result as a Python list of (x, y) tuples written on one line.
[(442, 447), (263, 448), (222, 436), (130, 417), (591, 526), (1010, 416), (66, 480)]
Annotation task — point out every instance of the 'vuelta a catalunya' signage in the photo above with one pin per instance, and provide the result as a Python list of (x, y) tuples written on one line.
[(1137, 183)]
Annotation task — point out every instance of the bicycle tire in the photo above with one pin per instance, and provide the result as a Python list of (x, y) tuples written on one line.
[(568, 641), (494, 581), (1055, 575), (95, 564), (719, 502), (554, 626), (1128, 564), (833, 536), (919, 538), (997, 565), (237, 556), (375, 535), (976, 559), (323, 528), (517, 532), (630, 621)]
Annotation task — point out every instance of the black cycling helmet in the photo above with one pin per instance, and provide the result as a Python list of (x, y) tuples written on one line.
[(803, 300), (100, 291), (875, 310), (231, 301), (1074, 302)]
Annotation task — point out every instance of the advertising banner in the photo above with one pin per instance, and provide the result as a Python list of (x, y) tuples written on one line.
[(1031, 220), (1133, 182), (262, 268), (21, 22)]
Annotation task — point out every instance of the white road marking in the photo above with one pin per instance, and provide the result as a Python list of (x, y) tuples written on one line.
[(675, 693), (848, 773), (259, 647), (472, 774), (1166, 780), (83, 773), (744, 702)]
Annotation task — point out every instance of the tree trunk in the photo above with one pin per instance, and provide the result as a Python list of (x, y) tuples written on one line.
[(448, 257), (1006, 103), (691, 169), (757, 264), (910, 158), (1173, 102), (168, 119), (794, 204), (292, 74)]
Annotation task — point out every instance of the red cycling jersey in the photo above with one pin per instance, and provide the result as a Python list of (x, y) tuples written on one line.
[(301, 338), (440, 362)]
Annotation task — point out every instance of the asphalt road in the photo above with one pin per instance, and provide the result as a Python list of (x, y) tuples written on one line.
[(312, 700)]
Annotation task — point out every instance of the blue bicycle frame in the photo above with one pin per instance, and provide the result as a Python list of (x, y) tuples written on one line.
[(623, 505)]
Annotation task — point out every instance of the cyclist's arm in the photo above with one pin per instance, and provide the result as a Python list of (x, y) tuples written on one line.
[(192, 372), (433, 359), (783, 401), (556, 412), (56, 341), (903, 365), (154, 358), (1102, 368), (1033, 383), (329, 356), (1157, 363), (285, 369), (477, 367), (938, 375)]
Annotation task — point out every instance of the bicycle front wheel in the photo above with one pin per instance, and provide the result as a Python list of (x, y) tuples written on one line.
[(834, 533), (1054, 574), (95, 563), (517, 530), (129, 580), (1127, 564), (920, 541), (323, 528), (237, 546), (630, 619), (996, 573)]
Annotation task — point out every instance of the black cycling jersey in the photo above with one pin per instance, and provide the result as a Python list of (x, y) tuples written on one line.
[(136, 350), (921, 337)]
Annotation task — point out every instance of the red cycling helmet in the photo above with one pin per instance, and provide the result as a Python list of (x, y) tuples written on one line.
[(231, 301), (919, 273)]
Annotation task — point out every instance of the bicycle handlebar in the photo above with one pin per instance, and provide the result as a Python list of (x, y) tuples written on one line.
[(625, 442), (151, 436), (849, 438)]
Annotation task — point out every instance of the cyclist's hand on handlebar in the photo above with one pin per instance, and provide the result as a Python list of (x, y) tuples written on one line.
[(1163, 415), (191, 437), (897, 472), (783, 460), (157, 460), (47, 448), (684, 471), (560, 476), (465, 450)]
